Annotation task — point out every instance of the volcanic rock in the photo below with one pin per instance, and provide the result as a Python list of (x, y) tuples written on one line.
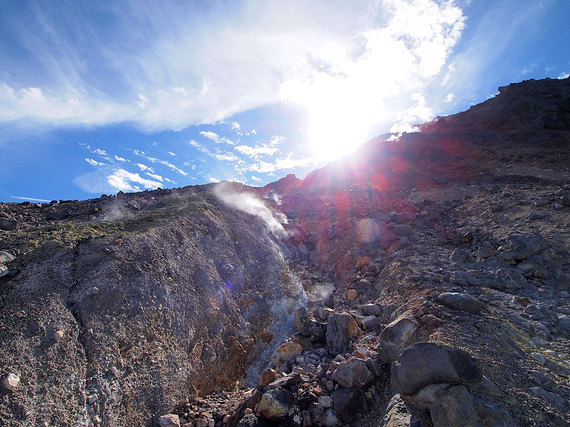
[(349, 403), (396, 336), (353, 373), (341, 330), (275, 404), (428, 363), (458, 301)]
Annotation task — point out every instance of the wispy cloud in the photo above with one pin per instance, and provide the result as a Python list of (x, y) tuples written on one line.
[(216, 138), (93, 162), (159, 161)]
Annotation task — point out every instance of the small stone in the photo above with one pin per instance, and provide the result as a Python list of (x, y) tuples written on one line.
[(539, 358), (371, 309), (58, 335), (326, 401), (248, 411), (351, 294), (459, 301), (11, 381), (331, 420), (267, 377), (169, 420), (370, 322)]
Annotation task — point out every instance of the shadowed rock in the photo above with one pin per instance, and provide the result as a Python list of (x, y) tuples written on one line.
[(429, 363)]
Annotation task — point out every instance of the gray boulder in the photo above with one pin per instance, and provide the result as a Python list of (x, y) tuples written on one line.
[(353, 373), (459, 301), (396, 336), (458, 408), (428, 363), (341, 330)]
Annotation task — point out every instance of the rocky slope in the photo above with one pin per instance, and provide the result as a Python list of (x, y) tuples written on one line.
[(424, 281)]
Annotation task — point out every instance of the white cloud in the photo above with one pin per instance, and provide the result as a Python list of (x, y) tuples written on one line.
[(213, 179), (155, 176), (123, 180), (144, 168), (199, 146), (236, 126), (216, 138), (226, 157), (170, 67), (563, 76), (171, 153), (267, 149), (449, 97), (119, 159), (93, 162), (257, 150), (255, 178), (287, 162)]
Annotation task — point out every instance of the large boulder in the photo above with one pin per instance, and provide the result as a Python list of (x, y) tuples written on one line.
[(459, 301), (275, 404), (396, 336), (341, 330), (353, 373), (429, 363), (458, 408)]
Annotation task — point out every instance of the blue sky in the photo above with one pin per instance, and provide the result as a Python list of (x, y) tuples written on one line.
[(102, 96)]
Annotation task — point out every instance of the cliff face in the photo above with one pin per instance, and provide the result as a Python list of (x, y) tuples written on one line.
[(449, 244), (157, 296)]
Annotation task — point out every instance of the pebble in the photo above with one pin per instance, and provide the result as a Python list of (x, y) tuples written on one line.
[(11, 381), (539, 357)]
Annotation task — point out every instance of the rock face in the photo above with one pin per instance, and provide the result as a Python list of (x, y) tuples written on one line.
[(428, 363), (172, 302)]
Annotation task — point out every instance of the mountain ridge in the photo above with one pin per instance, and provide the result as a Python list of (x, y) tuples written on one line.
[(309, 301)]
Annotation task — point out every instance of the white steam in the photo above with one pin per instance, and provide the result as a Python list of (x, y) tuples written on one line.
[(251, 204)]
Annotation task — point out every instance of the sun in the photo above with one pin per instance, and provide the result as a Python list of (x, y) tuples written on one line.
[(332, 135), (341, 114)]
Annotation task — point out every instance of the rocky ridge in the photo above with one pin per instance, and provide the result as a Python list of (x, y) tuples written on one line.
[(426, 282)]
